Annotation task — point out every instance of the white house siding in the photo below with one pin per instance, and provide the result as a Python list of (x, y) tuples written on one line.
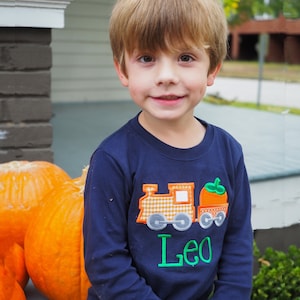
[(82, 63)]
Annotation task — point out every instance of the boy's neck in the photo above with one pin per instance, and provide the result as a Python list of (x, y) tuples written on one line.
[(182, 134)]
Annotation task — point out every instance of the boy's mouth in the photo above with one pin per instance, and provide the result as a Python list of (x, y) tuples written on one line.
[(168, 97)]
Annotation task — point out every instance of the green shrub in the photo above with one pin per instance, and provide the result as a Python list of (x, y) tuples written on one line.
[(278, 277)]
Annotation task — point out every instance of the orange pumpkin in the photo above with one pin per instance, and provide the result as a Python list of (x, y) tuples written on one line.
[(54, 244), (213, 193), (9, 287), (23, 185), (14, 261)]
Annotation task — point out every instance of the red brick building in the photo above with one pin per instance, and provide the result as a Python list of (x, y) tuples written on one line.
[(283, 45)]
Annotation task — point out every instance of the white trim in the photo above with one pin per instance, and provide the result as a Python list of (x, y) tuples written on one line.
[(33, 13)]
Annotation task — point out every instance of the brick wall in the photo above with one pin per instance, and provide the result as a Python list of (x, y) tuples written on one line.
[(292, 49), (25, 105), (284, 40)]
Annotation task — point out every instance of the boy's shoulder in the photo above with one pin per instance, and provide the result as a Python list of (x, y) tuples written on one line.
[(220, 133)]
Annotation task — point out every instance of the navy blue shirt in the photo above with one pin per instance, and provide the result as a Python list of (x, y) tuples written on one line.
[(167, 223)]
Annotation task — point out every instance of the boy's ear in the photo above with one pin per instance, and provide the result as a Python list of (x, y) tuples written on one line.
[(123, 78), (212, 75)]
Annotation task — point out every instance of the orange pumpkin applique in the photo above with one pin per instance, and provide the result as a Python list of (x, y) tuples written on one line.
[(213, 193), (213, 204)]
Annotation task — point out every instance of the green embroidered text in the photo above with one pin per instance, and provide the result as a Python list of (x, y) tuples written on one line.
[(186, 257)]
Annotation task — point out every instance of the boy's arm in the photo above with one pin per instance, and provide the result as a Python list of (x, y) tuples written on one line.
[(107, 258), (235, 267)]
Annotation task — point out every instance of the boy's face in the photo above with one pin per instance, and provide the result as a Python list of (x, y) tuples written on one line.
[(167, 86)]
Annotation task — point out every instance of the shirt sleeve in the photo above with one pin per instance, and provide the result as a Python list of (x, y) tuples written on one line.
[(107, 259), (235, 268)]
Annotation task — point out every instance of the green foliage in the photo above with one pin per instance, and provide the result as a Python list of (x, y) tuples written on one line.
[(291, 9), (278, 277), (231, 7), (239, 11)]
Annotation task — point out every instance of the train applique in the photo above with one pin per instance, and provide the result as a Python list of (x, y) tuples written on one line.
[(177, 207)]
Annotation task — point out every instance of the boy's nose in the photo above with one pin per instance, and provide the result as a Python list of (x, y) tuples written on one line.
[(166, 73)]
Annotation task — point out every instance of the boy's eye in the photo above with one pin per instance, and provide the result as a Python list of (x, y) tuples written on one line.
[(186, 58), (146, 59)]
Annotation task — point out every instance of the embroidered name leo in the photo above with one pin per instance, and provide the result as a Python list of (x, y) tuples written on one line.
[(192, 254)]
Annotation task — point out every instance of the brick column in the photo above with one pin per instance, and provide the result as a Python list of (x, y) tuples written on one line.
[(292, 49), (25, 105), (235, 45)]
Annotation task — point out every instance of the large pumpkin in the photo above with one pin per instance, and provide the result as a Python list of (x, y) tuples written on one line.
[(54, 244), (23, 185)]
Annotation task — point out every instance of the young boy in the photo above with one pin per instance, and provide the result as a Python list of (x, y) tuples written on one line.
[(167, 201)]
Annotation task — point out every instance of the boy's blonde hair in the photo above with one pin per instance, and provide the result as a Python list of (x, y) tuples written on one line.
[(168, 25)]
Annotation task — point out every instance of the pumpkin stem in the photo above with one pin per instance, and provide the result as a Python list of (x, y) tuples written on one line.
[(84, 173), (80, 181)]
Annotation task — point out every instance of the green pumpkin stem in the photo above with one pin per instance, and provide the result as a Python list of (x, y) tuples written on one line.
[(215, 187)]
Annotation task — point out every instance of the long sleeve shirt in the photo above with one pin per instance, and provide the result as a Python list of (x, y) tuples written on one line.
[(167, 223)]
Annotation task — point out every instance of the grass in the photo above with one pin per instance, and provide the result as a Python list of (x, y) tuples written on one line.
[(249, 105), (271, 71)]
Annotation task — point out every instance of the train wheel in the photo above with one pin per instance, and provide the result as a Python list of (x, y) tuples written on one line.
[(157, 222), (182, 222), (206, 220), (220, 218)]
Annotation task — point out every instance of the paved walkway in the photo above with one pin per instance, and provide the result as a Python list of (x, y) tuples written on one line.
[(271, 141), (271, 92)]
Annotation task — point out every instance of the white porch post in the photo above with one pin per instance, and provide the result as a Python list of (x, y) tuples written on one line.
[(33, 13)]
